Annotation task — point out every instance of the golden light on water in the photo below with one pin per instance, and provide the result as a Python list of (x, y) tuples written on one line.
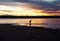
[(23, 21)]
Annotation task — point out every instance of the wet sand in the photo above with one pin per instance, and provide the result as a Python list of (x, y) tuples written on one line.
[(8, 32)]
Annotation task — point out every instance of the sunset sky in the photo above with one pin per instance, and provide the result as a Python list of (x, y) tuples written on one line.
[(30, 7)]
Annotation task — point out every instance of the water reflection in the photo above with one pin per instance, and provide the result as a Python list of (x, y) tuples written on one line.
[(44, 22)]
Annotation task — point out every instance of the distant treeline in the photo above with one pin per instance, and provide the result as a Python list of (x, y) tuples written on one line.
[(9, 16)]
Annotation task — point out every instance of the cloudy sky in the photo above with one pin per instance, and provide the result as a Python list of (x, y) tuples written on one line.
[(30, 7)]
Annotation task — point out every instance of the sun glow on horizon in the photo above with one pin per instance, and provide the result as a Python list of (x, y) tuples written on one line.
[(21, 11)]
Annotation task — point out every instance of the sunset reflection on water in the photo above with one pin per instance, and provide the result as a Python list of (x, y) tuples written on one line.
[(43, 22)]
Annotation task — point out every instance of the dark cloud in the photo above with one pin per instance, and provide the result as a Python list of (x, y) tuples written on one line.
[(49, 7), (19, 0), (6, 0)]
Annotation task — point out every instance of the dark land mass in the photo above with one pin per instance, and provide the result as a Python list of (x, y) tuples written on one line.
[(10, 16), (8, 32)]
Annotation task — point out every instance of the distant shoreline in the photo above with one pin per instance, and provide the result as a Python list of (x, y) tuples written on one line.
[(29, 16)]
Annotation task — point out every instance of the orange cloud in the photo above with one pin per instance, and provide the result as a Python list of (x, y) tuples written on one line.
[(20, 11), (25, 10)]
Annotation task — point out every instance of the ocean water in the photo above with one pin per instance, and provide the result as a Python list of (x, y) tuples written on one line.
[(42, 22)]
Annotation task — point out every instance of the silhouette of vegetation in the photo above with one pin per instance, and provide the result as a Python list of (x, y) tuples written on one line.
[(11, 16)]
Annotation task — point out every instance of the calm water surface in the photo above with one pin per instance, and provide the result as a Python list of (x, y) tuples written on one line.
[(43, 22)]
